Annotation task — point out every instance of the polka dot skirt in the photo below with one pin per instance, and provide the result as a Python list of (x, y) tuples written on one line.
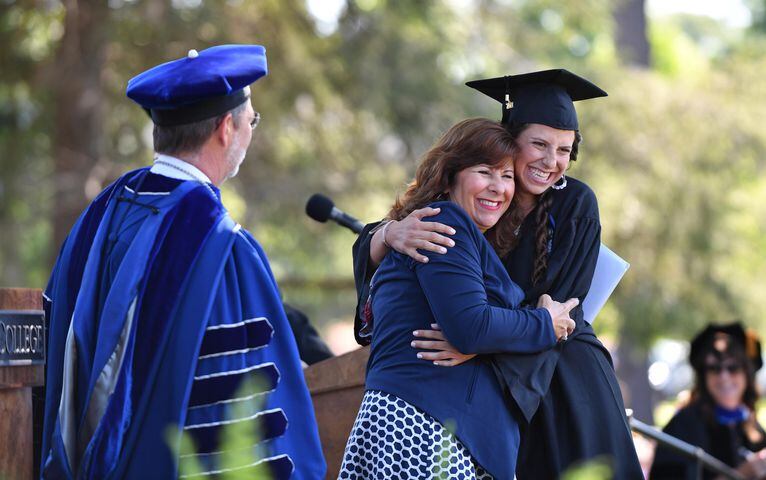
[(393, 439)]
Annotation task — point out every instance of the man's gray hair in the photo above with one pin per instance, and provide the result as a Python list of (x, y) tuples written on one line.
[(190, 137)]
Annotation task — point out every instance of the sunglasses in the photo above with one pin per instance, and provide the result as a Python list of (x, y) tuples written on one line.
[(719, 368)]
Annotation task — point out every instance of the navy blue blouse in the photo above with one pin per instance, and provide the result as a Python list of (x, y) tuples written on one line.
[(469, 293)]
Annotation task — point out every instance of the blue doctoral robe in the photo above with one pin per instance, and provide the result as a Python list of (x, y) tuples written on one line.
[(160, 308)]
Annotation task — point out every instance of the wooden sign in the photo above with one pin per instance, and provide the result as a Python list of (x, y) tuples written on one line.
[(20, 370), (22, 337)]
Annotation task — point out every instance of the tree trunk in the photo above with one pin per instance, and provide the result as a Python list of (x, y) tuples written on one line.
[(79, 100), (632, 42)]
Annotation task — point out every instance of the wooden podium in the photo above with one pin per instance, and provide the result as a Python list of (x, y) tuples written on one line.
[(17, 377), (337, 388)]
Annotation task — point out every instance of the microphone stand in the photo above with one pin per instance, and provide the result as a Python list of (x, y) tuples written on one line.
[(704, 459)]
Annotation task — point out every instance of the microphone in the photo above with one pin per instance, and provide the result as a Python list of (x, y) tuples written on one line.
[(321, 208)]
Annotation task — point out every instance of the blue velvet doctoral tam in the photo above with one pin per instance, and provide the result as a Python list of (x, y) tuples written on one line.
[(164, 318)]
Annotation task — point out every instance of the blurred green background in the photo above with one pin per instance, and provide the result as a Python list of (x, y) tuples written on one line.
[(358, 89)]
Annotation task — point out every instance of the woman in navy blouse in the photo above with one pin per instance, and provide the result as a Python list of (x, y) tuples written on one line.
[(418, 420)]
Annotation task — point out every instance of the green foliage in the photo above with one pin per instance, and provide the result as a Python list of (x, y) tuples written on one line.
[(240, 451), (598, 469), (675, 154), (673, 175), (758, 13), (674, 53), (30, 35)]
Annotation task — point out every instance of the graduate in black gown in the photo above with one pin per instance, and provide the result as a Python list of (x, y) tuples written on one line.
[(569, 394), (720, 417)]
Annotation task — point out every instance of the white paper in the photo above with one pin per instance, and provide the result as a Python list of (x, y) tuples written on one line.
[(609, 271)]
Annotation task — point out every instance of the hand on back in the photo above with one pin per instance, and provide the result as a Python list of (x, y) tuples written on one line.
[(445, 355), (411, 233)]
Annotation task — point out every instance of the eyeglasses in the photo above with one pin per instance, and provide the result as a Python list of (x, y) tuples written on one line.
[(719, 368), (254, 122)]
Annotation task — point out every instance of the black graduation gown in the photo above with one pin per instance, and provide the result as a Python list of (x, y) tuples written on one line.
[(720, 441), (569, 395)]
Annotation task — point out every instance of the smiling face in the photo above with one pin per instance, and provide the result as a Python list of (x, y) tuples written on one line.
[(542, 159), (726, 381), (484, 192)]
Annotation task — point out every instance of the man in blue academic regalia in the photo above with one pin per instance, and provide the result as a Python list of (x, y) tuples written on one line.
[(165, 318)]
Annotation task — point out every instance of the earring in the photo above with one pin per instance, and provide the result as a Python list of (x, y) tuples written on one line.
[(562, 185)]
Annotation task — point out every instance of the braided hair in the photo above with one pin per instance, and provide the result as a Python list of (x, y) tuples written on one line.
[(541, 211)]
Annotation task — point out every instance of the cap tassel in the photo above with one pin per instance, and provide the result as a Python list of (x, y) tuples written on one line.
[(508, 105), (751, 344)]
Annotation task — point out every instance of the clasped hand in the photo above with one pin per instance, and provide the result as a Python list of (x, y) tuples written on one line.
[(444, 354), (563, 325)]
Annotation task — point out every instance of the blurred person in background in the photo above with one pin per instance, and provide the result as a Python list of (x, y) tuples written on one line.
[(720, 416)]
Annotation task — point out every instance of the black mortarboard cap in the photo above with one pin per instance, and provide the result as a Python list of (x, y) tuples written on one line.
[(706, 341), (543, 97)]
